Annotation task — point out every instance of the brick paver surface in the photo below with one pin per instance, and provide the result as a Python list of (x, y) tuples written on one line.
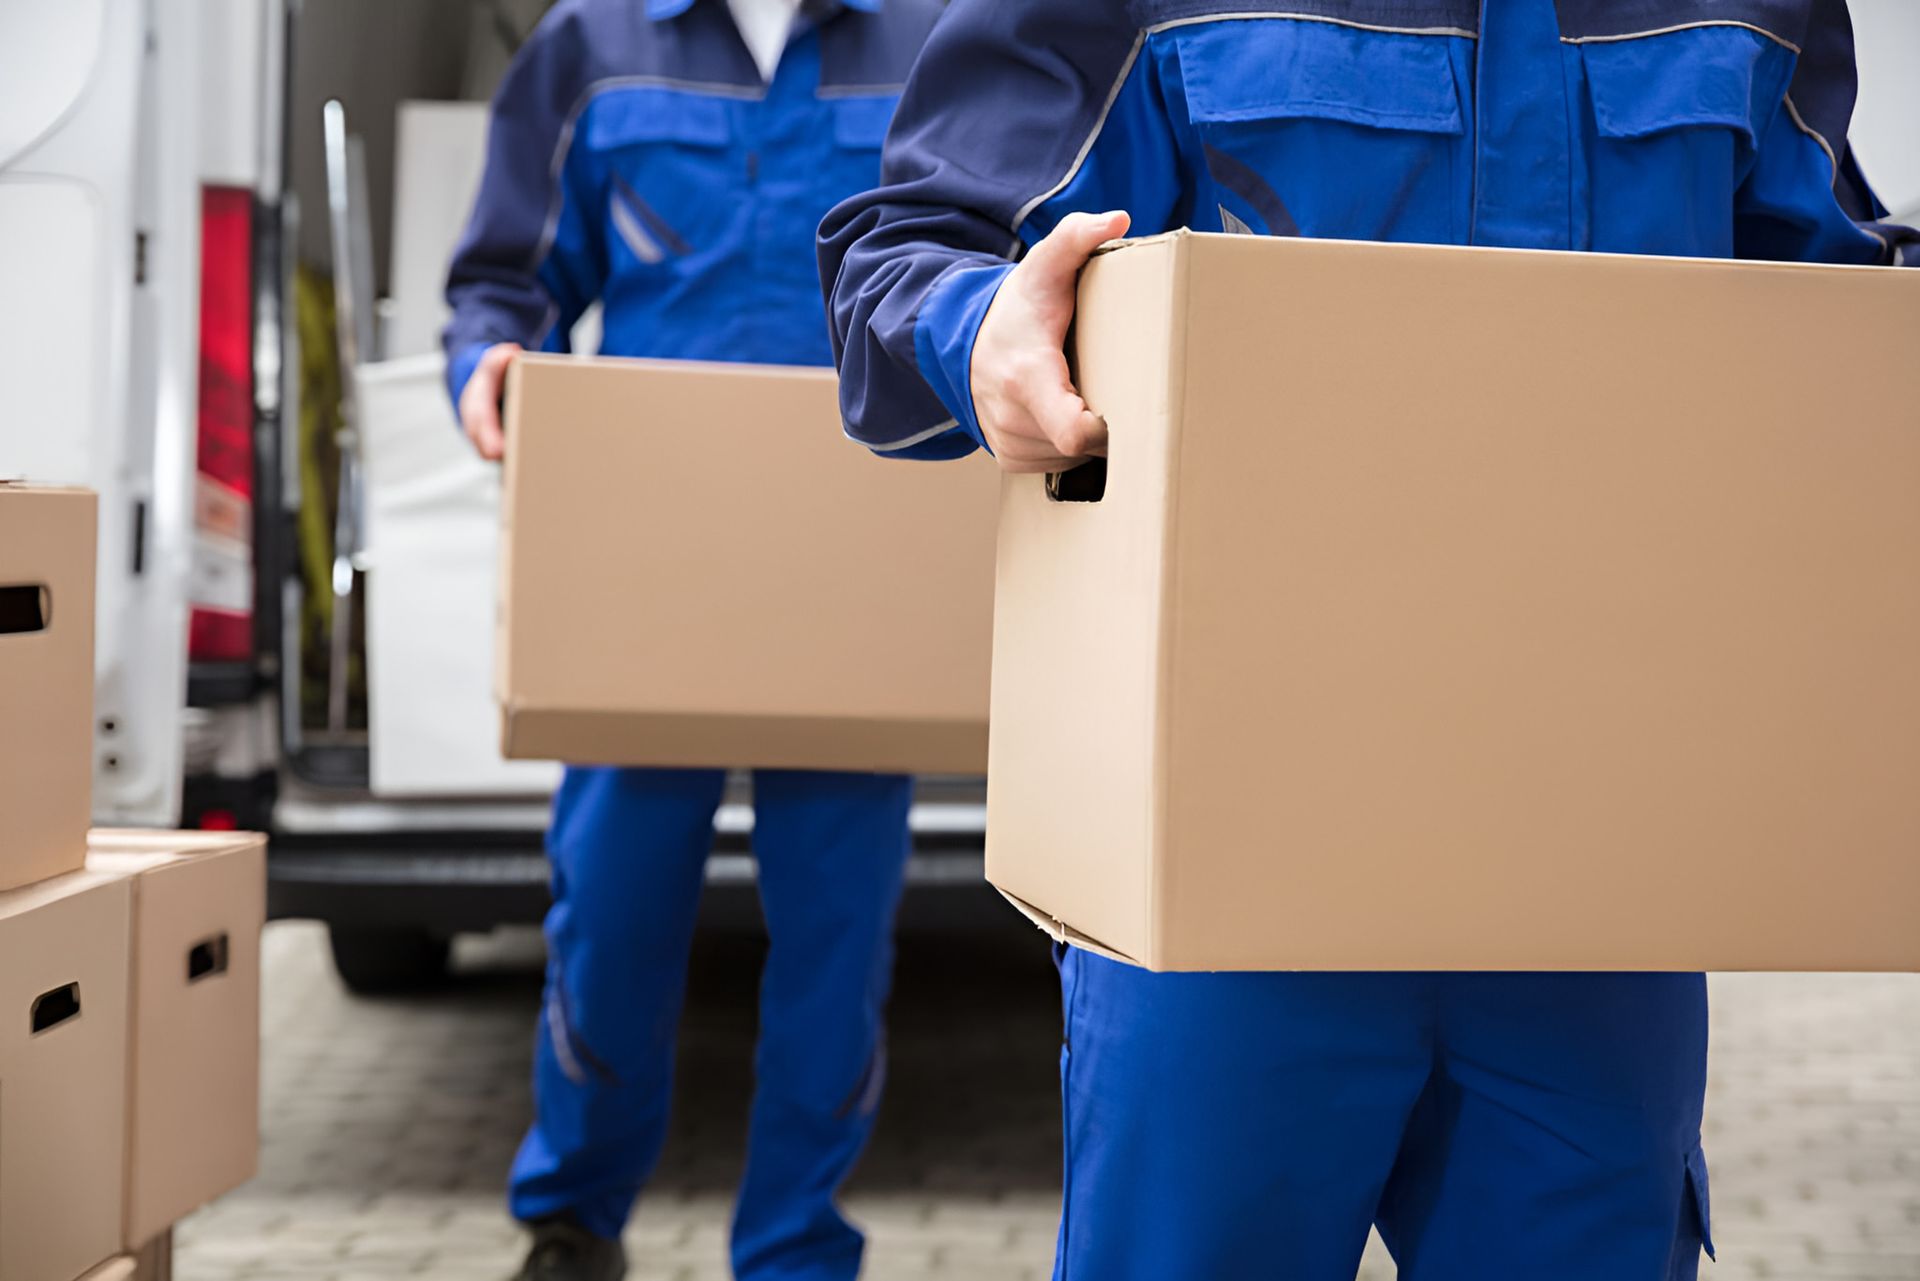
[(389, 1124)]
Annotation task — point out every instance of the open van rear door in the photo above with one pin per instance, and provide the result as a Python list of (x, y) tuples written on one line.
[(132, 132)]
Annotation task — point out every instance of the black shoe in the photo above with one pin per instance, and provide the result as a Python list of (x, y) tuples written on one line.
[(562, 1250)]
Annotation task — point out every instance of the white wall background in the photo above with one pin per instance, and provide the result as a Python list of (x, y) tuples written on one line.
[(1886, 122)]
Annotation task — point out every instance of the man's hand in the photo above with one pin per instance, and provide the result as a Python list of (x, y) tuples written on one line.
[(1032, 417), (480, 401)]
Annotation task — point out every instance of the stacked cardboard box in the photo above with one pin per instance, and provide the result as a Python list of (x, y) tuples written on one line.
[(46, 680), (129, 962)]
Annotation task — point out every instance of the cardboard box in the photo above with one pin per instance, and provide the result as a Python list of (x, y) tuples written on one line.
[(193, 1097), (699, 571), (1462, 608), (46, 681), (63, 1074)]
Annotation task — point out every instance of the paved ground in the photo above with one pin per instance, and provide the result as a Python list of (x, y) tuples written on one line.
[(389, 1124)]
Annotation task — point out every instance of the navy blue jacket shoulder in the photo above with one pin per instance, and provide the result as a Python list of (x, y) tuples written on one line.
[(637, 158), (1713, 128)]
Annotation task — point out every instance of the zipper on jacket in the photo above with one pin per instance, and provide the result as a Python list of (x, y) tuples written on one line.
[(1479, 74)]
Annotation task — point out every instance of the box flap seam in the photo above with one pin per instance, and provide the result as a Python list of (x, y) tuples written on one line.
[(1060, 932)]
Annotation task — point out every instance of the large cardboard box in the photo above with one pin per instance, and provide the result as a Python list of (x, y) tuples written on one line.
[(699, 570), (46, 681), (1460, 608), (193, 1088), (63, 1074)]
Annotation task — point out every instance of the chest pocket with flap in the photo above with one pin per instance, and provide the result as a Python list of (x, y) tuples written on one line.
[(856, 129), (1323, 130), (664, 168), (1674, 123), (860, 123)]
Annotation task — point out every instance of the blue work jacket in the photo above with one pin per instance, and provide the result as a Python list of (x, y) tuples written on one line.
[(1711, 128), (637, 157)]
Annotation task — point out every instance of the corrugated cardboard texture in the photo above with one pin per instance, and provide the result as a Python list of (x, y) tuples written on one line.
[(63, 1088), (699, 570), (1518, 610), (193, 1125), (46, 681)]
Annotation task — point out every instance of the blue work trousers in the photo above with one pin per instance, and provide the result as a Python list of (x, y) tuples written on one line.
[(1251, 1127), (629, 849)]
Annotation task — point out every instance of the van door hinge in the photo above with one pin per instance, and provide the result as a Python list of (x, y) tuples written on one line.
[(139, 258)]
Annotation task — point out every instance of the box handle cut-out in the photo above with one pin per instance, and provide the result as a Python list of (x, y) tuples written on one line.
[(25, 608), (207, 958), (51, 1009), (1086, 483)]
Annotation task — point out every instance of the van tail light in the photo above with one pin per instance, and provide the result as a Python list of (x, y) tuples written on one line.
[(222, 587)]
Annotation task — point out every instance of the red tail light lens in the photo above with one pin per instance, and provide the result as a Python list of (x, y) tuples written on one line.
[(222, 594)]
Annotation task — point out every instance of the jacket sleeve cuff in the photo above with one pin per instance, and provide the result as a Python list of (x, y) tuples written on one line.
[(944, 333), (460, 367)]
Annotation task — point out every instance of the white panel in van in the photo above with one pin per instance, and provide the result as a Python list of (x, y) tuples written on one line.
[(46, 63)]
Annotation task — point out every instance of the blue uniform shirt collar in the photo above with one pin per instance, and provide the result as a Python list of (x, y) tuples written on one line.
[(659, 9)]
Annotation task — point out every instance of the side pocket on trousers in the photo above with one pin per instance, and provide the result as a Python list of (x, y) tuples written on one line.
[(864, 1099), (581, 1065), (1700, 1199)]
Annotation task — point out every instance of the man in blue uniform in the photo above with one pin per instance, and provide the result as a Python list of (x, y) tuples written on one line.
[(671, 159), (1230, 1126)]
